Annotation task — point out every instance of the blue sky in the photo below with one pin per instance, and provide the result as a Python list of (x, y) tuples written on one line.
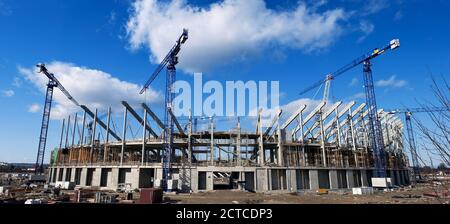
[(98, 35)]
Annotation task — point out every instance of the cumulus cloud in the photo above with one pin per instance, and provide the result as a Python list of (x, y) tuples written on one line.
[(17, 82), (391, 82), (34, 108), (354, 82), (8, 93), (228, 31), (366, 28), (358, 96), (374, 6), (90, 87)]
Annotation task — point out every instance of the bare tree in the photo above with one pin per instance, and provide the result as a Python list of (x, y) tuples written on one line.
[(436, 135)]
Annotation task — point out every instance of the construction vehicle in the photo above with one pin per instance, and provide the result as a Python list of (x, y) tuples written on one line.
[(169, 62)]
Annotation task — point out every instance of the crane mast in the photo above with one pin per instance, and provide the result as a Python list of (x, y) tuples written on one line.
[(52, 83), (170, 61), (375, 131)]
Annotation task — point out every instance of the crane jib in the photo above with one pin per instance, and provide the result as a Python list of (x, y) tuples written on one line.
[(371, 55)]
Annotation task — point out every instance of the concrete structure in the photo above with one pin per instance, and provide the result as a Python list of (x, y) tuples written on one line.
[(326, 148)]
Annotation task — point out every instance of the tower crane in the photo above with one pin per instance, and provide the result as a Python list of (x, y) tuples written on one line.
[(411, 140), (169, 62), (375, 133), (52, 83)]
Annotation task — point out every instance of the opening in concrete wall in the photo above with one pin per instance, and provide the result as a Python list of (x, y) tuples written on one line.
[(357, 178), (201, 180), (125, 176), (105, 177), (224, 180), (369, 177), (89, 176), (250, 181), (302, 177), (68, 174), (53, 177), (146, 177), (342, 179), (60, 174), (278, 179), (324, 179), (78, 176)]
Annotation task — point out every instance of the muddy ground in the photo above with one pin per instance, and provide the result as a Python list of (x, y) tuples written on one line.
[(398, 196)]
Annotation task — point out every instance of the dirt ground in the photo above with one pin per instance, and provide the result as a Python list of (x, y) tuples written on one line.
[(399, 196)]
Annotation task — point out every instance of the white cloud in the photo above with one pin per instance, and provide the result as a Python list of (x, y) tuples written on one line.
[(366, 28), (358, 96), (8, 93), (228, 31), (354, 82), (5, 10), (391, 82), (374, 6), (398, 15), (93, 88), (17, 82), (34, 108)]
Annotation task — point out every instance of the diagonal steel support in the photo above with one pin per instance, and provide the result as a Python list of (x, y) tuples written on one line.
[(100, 122), (139, 119)]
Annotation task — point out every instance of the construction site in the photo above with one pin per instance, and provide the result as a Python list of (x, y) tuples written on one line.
[(330, 147)]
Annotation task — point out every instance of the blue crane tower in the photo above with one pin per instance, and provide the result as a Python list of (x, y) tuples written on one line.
[(170, 61), (375, 134), (52, 83), (411, 139)]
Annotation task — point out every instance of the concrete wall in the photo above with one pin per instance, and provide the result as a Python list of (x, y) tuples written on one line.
[(350, 179), (262, 180), (314, 179)]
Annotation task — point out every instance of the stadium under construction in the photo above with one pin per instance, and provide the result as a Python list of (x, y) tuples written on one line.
[(317, 147)]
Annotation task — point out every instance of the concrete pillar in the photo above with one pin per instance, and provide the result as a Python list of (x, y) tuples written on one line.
[(64, 174), (158, 173), (393, 179), (194, 180), (407, 175), (350, 178), (262, 180), (334, 183), (83, 176), (398, 178), (49, 177), (96, 177), (113, 180), (364, 179), (134, 178), (270, 180), (72, 176), (314, 179), (292, 183), (209, 181)]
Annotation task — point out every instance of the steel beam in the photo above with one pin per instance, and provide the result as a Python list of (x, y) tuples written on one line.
[(138, 118), (177, 124), (100, 122), (153, 115), (309, 117)]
